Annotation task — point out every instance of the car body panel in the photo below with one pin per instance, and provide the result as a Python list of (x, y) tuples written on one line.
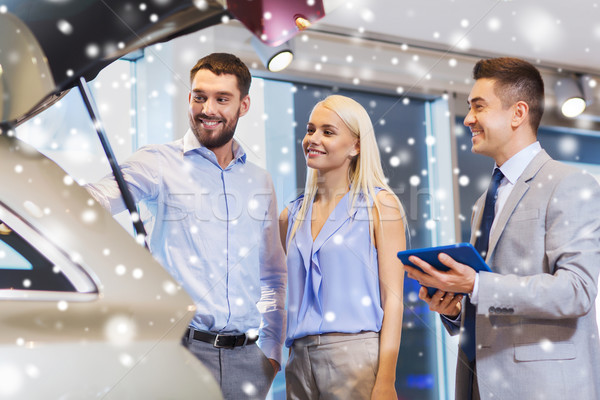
[(92, 314), (122, 333)]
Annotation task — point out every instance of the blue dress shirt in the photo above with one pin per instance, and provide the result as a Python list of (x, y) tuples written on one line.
[(215, 230), (512, 170), (333, 282)]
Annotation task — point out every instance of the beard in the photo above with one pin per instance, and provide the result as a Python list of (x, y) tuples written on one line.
[(212, 139)]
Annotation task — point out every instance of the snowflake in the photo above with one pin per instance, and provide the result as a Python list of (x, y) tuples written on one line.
[(62, 305), (249, 389)]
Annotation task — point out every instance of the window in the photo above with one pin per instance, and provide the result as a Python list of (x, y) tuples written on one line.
[(11, 259), (30, 264)]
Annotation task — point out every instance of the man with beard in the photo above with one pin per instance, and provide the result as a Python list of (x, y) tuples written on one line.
[(211, 218)]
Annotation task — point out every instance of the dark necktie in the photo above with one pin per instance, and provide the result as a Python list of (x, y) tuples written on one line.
[(467, 340)]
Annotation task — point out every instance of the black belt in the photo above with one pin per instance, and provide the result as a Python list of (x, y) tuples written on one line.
[(218, 340)]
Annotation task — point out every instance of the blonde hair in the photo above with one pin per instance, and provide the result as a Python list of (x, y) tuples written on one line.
[(365, 172)]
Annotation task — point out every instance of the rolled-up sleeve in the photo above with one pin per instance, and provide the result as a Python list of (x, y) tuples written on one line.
[(273, 278), (141, 175)]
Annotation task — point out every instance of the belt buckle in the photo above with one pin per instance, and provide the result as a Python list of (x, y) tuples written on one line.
[(217, 343)]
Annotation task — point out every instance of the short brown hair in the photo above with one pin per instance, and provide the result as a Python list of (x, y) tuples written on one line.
[(515, 80), (225, 63)]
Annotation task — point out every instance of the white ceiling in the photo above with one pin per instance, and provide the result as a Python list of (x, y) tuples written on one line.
[(430, 46), (555, 32)]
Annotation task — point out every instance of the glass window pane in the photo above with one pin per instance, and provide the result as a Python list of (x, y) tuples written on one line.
[(23, 267), (10, 259)]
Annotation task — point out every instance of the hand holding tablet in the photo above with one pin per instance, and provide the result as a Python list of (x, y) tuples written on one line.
[(463, 253)]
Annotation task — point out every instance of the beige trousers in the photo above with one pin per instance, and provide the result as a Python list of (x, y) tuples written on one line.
[(332, 366)]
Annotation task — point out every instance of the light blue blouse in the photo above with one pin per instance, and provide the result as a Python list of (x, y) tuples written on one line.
[(333, 282)]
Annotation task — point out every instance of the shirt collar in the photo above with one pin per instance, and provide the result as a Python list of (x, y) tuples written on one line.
[(191, 143), (514, 167)]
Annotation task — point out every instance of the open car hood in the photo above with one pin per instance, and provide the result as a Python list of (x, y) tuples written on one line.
[(47, 45)]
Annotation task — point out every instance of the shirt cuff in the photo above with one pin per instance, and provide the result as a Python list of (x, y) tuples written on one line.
[(474, 297), (454, 321), (271, 349)]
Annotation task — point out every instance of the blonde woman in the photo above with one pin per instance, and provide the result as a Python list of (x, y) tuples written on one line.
[(344, 280)]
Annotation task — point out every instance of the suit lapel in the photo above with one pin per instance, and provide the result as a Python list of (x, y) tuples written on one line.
[(521, 187), (476, 218)]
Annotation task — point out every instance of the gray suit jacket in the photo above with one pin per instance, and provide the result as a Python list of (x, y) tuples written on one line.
[(536, 326)]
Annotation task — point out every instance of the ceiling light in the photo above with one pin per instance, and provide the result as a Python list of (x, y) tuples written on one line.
[(569, 97), (302, 23), (276, 58)]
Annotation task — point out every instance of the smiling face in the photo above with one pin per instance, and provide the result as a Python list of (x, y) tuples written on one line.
[(215, 107), (328, 144), (491, 123)]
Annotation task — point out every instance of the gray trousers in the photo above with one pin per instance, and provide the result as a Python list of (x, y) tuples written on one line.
[(243, 373), (332, 366)]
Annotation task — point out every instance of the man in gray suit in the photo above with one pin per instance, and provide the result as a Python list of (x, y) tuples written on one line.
[(533, 317)]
